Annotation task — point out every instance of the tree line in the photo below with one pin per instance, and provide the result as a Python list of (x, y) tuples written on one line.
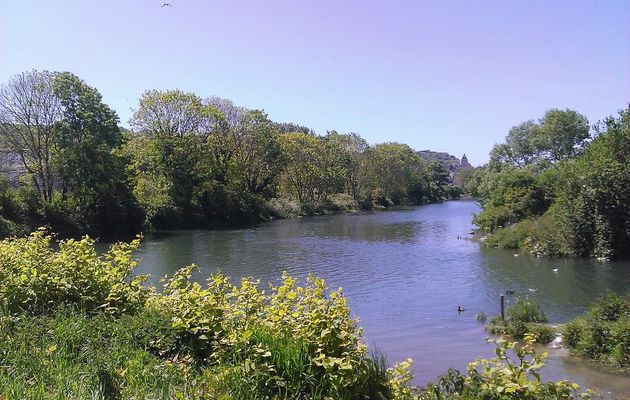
[(187, 161), (558, 186)]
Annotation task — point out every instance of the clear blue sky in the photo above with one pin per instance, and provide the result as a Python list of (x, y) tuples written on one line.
[(445, 75)]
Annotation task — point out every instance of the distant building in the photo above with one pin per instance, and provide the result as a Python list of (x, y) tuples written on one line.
[(464, 162)]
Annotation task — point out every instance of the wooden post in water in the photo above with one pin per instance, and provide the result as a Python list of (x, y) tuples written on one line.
[(503, 307)]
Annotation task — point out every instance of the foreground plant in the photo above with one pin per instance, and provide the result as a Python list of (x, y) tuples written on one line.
[(36, 278), (512, 374)]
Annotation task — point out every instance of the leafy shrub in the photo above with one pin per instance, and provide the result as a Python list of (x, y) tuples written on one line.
[(610, 307), (604, 332), (573, 331), (35, 278), (511, 237), (221, 324), (544, 334), (524, 318), (504, 377), (620, 354), (540, 236), (526, 310), (283, 208)]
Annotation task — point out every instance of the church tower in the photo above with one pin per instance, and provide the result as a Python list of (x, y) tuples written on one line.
[(464, 163)]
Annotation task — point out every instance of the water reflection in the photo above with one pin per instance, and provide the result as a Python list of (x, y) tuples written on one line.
[(562, 294), (404, 272)]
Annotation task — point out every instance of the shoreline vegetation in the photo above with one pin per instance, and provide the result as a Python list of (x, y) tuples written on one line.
[(601, 334), (187, 162), (79, 324), (524, 317), (558, 187)]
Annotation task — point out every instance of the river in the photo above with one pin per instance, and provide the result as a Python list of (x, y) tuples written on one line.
[(405, 271)]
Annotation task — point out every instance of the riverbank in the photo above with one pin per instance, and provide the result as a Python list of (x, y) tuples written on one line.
[(78, 324), (289, 208), (404, 272)]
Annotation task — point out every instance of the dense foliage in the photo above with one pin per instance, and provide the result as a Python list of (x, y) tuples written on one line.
[(550, 191), (188, 162), (512, 374), (93, 331), (524, 317), (603, 333)]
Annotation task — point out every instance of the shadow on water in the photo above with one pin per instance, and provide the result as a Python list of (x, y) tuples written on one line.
[(404, 272)]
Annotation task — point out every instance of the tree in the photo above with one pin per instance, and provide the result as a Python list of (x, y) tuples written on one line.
[(258, 158), (594, 203), (387, 170), (438, 178), (352, 148), (231, 123), (88, 169), (562, 135), (84, 137), (508, 197), (311, 169), (29, 113), (520, 141), (173, 113)]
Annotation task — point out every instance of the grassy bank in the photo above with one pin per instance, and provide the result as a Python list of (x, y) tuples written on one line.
[(76, 324), (603, 333)]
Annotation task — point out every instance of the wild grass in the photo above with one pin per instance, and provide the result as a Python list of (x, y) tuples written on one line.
[(71, 355)]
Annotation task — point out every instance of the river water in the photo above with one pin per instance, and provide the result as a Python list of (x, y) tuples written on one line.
[(405, 271)]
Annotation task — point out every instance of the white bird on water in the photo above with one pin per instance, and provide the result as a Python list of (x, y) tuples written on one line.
[(555, 270)]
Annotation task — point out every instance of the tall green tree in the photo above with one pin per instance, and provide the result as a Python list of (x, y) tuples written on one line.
[(563, 134), (594, 202), (173, 113), (559, 135), (258, 158), (84, 158), (312, 171), (351, 148), (388, 169)]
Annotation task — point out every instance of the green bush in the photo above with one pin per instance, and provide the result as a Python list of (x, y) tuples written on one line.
[(603, 333), (544, 334), (504, 377), (540, 236), (222, 321), (526, 310), (524, 318), (610, 307), (36, 278)]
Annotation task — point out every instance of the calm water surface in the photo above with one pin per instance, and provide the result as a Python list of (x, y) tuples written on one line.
[(404, 272)]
